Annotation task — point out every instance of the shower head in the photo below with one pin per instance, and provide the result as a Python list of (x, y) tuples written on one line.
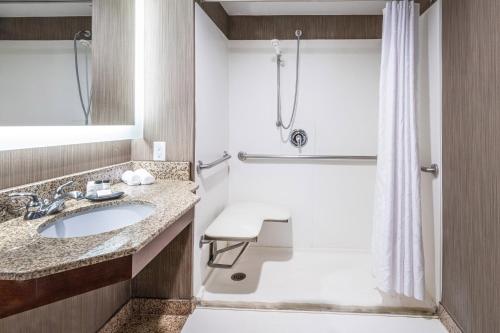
[(276, 44), (298, 33)]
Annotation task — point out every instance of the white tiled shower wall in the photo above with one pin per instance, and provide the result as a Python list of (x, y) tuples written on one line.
[(331, 203), (212, 131)]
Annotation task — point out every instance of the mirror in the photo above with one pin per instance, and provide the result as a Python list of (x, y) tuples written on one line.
[(59, 65)]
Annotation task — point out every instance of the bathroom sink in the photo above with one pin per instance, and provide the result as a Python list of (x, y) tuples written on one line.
[(97, 221)]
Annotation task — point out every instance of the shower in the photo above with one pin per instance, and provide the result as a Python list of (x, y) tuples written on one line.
[(83, 39), (279, 61)]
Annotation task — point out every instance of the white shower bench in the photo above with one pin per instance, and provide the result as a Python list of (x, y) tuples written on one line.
[(240, 222)]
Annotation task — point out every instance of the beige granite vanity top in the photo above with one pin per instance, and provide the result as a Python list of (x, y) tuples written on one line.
[(24, 254)]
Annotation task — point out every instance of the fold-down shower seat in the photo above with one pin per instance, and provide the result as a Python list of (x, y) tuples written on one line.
[(240, 222)]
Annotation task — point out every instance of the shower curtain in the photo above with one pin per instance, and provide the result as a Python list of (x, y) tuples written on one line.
[(397, 237)]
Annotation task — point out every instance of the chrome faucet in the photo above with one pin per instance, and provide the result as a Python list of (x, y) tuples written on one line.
[(34, 207), (38, 207), (61, 194)]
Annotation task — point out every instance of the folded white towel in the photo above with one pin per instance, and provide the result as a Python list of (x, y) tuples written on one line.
[(145, 177), (130, 178)]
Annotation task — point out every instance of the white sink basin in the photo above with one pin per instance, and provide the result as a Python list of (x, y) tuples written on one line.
[(97, 221)]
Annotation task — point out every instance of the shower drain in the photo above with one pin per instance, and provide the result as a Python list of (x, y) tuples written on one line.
[(238, 276)]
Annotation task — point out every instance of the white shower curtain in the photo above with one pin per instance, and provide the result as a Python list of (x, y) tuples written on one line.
[(397, 236)]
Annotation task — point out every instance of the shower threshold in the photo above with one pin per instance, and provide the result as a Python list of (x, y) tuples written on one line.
[(305, 280), (318, 307)]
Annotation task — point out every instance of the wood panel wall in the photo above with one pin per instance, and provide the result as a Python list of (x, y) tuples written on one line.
[(217, 13), (43, 28), (425, 4), (169, 76), (471, 163), (24, 166), (113, 62), (312, 26), (170, 274), (83, 313), (283, 27)]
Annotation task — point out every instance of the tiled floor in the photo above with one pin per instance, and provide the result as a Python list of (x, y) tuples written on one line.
[(245, 321), (309, 276)]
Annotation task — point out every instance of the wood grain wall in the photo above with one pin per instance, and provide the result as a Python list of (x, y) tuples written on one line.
[(83, 313), (170, 274), (113, 62), (312, 26), (471, 163), (43, 28), (425, 4), (217, 13), (284, 26), (169, 80), (24, 166)]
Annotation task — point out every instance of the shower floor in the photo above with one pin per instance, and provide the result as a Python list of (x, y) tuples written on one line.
[(303, 279)]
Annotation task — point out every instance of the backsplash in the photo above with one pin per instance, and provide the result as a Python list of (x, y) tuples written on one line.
[(165, 170), (10, 208)]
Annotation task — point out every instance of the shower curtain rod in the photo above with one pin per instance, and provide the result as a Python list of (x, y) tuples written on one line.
[(242, 156)]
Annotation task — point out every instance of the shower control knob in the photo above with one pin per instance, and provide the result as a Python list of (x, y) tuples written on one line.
[(298, 138)]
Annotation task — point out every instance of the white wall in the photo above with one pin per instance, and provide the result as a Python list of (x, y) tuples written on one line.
[(38, 84), (211, 130), (331, 203), (429, 103)]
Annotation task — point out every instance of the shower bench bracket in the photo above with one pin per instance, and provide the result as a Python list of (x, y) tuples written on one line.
[(214, 252)]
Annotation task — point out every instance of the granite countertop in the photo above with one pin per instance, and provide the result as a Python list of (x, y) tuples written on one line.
[(25, 255)]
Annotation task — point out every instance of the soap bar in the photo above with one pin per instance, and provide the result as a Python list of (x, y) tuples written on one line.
[(103, 193)]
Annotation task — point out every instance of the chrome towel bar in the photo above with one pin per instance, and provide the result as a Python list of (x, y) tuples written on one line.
[(202, 165), (242, 156)]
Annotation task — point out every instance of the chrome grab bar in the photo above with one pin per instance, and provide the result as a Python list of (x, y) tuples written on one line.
[(202, 165), (433, 168), (242, 156)]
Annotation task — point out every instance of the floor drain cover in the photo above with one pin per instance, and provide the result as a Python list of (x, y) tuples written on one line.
[(238, 276)]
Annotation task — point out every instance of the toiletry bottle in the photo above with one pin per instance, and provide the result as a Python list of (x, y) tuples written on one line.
[(106, 184), (91, 188), (98, 185)]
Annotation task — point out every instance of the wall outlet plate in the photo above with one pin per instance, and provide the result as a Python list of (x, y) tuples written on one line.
[(159, 150)]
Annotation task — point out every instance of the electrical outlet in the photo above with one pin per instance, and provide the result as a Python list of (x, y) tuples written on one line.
[(159, 148)]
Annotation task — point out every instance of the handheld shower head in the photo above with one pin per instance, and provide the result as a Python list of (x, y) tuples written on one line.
[(276, 44), (298, 33), (85, 43)]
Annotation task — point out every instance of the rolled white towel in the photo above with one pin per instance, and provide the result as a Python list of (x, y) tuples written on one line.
[(130, 178), (145, 177)]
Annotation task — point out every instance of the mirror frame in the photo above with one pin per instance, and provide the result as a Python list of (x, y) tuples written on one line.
[(22, 137)]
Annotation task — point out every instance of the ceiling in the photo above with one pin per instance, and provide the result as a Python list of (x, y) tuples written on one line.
[(336, 7), (48, 9)]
